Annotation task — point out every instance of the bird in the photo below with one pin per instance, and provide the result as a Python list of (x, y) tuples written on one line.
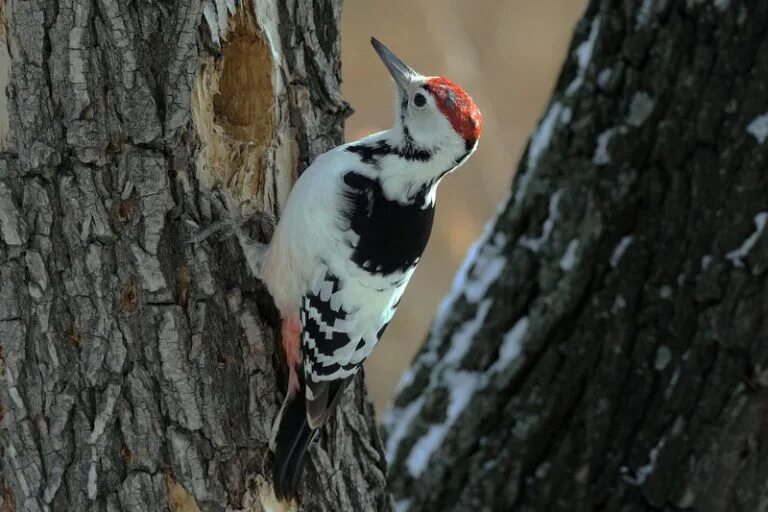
[(349, 238)]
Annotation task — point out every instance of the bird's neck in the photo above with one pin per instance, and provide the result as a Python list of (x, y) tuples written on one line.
[(409, 172)]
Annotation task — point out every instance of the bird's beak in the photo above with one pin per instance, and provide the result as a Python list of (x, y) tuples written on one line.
[(401, 72)]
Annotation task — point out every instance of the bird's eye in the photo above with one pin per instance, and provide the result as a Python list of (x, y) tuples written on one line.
[(419, 100)]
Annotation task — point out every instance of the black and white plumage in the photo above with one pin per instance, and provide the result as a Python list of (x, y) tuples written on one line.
[(349, 238)]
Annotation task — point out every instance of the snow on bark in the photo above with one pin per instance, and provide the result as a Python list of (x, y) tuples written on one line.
[(737, 255), (758, 128), (583, 57), (511, 345), (602, 156), (538, 144), (643, 16), (640, 108), (535, 244), (642, 473), (447, 376), (569, 257), (619, 363), (620, 249)]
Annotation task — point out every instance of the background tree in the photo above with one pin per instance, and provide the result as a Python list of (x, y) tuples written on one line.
[(139, 371), (605, 346)]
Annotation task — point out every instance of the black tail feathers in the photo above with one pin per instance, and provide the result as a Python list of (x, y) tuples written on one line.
[(291, 444)]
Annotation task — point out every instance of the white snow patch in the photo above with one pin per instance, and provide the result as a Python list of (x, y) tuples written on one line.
[(535, 244), (398, 422), (721, 5), (663, 357), (462, 338), (511, 345), (476, 261), (407, 378), (543, 135), (583, 56), (566, 115), (640, 108), (665, 291), (601, 156), (569, 257), (736, 256), (604, 78), (759, 128), (402, 505), (539, 143), (462, 386), (489, 273), (644, 14), (457, 288), (706, 261), (620, 249), (643, 472)]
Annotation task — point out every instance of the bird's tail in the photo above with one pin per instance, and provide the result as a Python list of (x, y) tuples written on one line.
[(291, 442)]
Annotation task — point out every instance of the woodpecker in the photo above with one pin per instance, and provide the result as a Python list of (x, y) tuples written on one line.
[(349, 238)]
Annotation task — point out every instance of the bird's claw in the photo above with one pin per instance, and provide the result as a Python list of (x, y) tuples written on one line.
[(253, 227)]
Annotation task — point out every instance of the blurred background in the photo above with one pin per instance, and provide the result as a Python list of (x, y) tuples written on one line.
[(506, 54)]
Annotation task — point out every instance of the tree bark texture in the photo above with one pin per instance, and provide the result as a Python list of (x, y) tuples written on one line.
[(139, 371), (605, 346)]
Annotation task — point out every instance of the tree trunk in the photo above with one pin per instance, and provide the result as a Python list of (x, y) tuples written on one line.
[(606, 345), (139, 371)]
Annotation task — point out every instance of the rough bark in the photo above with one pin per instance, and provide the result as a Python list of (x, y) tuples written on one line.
[(606, 345), (139, 371)]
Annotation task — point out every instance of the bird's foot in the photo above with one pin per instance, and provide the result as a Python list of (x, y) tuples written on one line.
[(252, 228)]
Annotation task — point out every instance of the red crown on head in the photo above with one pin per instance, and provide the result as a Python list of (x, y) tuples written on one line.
[(457, 106)]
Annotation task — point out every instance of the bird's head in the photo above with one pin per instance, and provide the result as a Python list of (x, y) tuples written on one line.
[(433, 111)]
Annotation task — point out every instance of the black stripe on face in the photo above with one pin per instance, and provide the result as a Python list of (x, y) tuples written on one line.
[(410, 151), (392, 235)]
